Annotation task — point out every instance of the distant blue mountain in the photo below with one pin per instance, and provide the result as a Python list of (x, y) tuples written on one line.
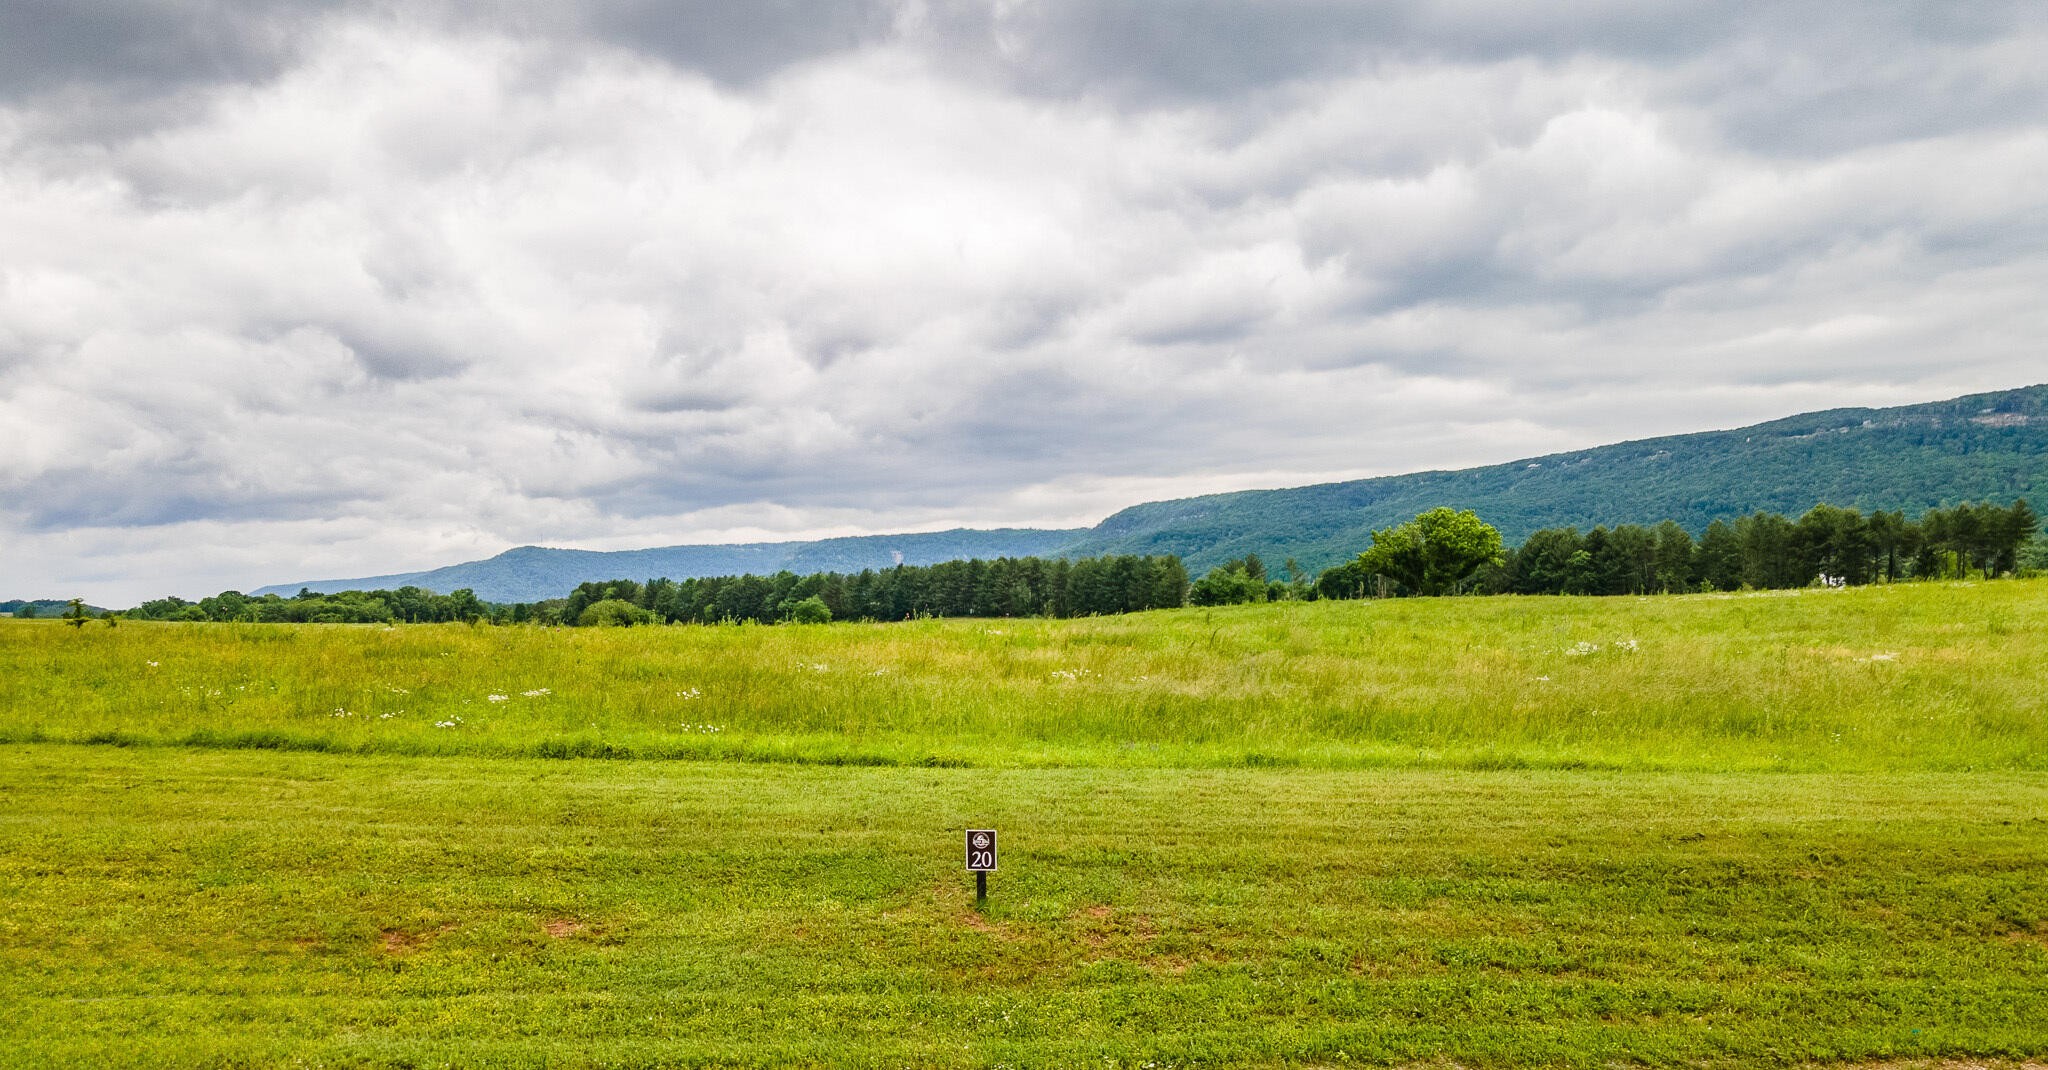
[(533, 573), (1981, 447), (43, 607)]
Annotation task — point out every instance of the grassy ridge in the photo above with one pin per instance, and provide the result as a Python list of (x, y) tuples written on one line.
[(1913, 677), (236, 908)]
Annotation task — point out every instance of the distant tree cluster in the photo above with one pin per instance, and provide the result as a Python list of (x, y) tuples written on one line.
[(1829, 545), (404, 605), (1004, 587), (1238, 582)]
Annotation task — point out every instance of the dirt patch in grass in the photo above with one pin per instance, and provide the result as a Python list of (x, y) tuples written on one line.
[(1906, 1064), (2022, 933), (562, 928), (982, 925), (1001, 930), (395, 941), (1933, 1064)]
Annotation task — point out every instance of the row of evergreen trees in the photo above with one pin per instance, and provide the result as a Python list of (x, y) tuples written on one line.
[(1004, 587)]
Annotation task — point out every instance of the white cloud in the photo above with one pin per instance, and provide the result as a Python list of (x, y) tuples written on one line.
[(420, 290)]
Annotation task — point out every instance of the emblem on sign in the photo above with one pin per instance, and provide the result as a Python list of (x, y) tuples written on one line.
[(981, 850)]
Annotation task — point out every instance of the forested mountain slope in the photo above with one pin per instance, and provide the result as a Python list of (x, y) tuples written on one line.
[(1985, 446)]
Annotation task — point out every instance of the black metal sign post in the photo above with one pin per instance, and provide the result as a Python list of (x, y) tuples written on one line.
[(981, 860)]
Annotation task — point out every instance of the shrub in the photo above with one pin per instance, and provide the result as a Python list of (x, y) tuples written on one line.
[(613, 612)]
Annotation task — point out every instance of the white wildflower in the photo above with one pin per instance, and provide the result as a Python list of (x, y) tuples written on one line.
[(1582, 648), (689, 694), (537, 692), (500, 698), (1625, 645)]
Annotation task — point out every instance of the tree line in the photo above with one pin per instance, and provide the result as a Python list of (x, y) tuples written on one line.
[(1003, 587), (1444, 552), (415, 605)]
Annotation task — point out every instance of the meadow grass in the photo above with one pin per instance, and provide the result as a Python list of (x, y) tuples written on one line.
[(224, 908), (1921, 676), (1781, 829)]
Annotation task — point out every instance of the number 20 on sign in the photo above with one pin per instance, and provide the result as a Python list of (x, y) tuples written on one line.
[(981, 858)]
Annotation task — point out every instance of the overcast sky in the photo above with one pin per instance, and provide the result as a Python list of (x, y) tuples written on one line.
[(294, 289)]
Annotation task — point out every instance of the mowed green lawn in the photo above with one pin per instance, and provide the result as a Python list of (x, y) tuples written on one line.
[(219, 908), (1753, 830)]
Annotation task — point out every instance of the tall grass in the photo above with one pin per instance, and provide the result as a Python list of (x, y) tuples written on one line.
[(1911, 677)]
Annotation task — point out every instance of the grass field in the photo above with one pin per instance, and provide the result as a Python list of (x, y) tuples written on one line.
[(1935, 677), (1760, 830)]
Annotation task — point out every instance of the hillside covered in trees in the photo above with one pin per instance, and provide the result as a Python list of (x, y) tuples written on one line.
[(1988, 447), (1983, 447)]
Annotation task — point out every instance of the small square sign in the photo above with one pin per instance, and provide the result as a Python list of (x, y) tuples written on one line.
[(981, 850)]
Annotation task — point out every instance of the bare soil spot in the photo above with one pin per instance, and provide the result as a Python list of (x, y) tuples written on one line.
[(1933, 1064), (2019, 933), (980, 924), (395, 941), (1900, 1064), (561, 928)]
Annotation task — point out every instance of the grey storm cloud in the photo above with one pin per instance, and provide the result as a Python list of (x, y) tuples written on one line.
[(1186, 48), (141, 45), (298, 287)]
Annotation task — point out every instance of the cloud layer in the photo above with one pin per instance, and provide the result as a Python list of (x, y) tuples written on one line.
[(293, 288)]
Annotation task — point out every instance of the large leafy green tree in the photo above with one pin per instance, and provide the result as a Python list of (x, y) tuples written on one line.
[(1435, 553)]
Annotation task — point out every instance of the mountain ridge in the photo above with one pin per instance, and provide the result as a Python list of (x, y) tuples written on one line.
[(533, 573), (1915, 457)]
